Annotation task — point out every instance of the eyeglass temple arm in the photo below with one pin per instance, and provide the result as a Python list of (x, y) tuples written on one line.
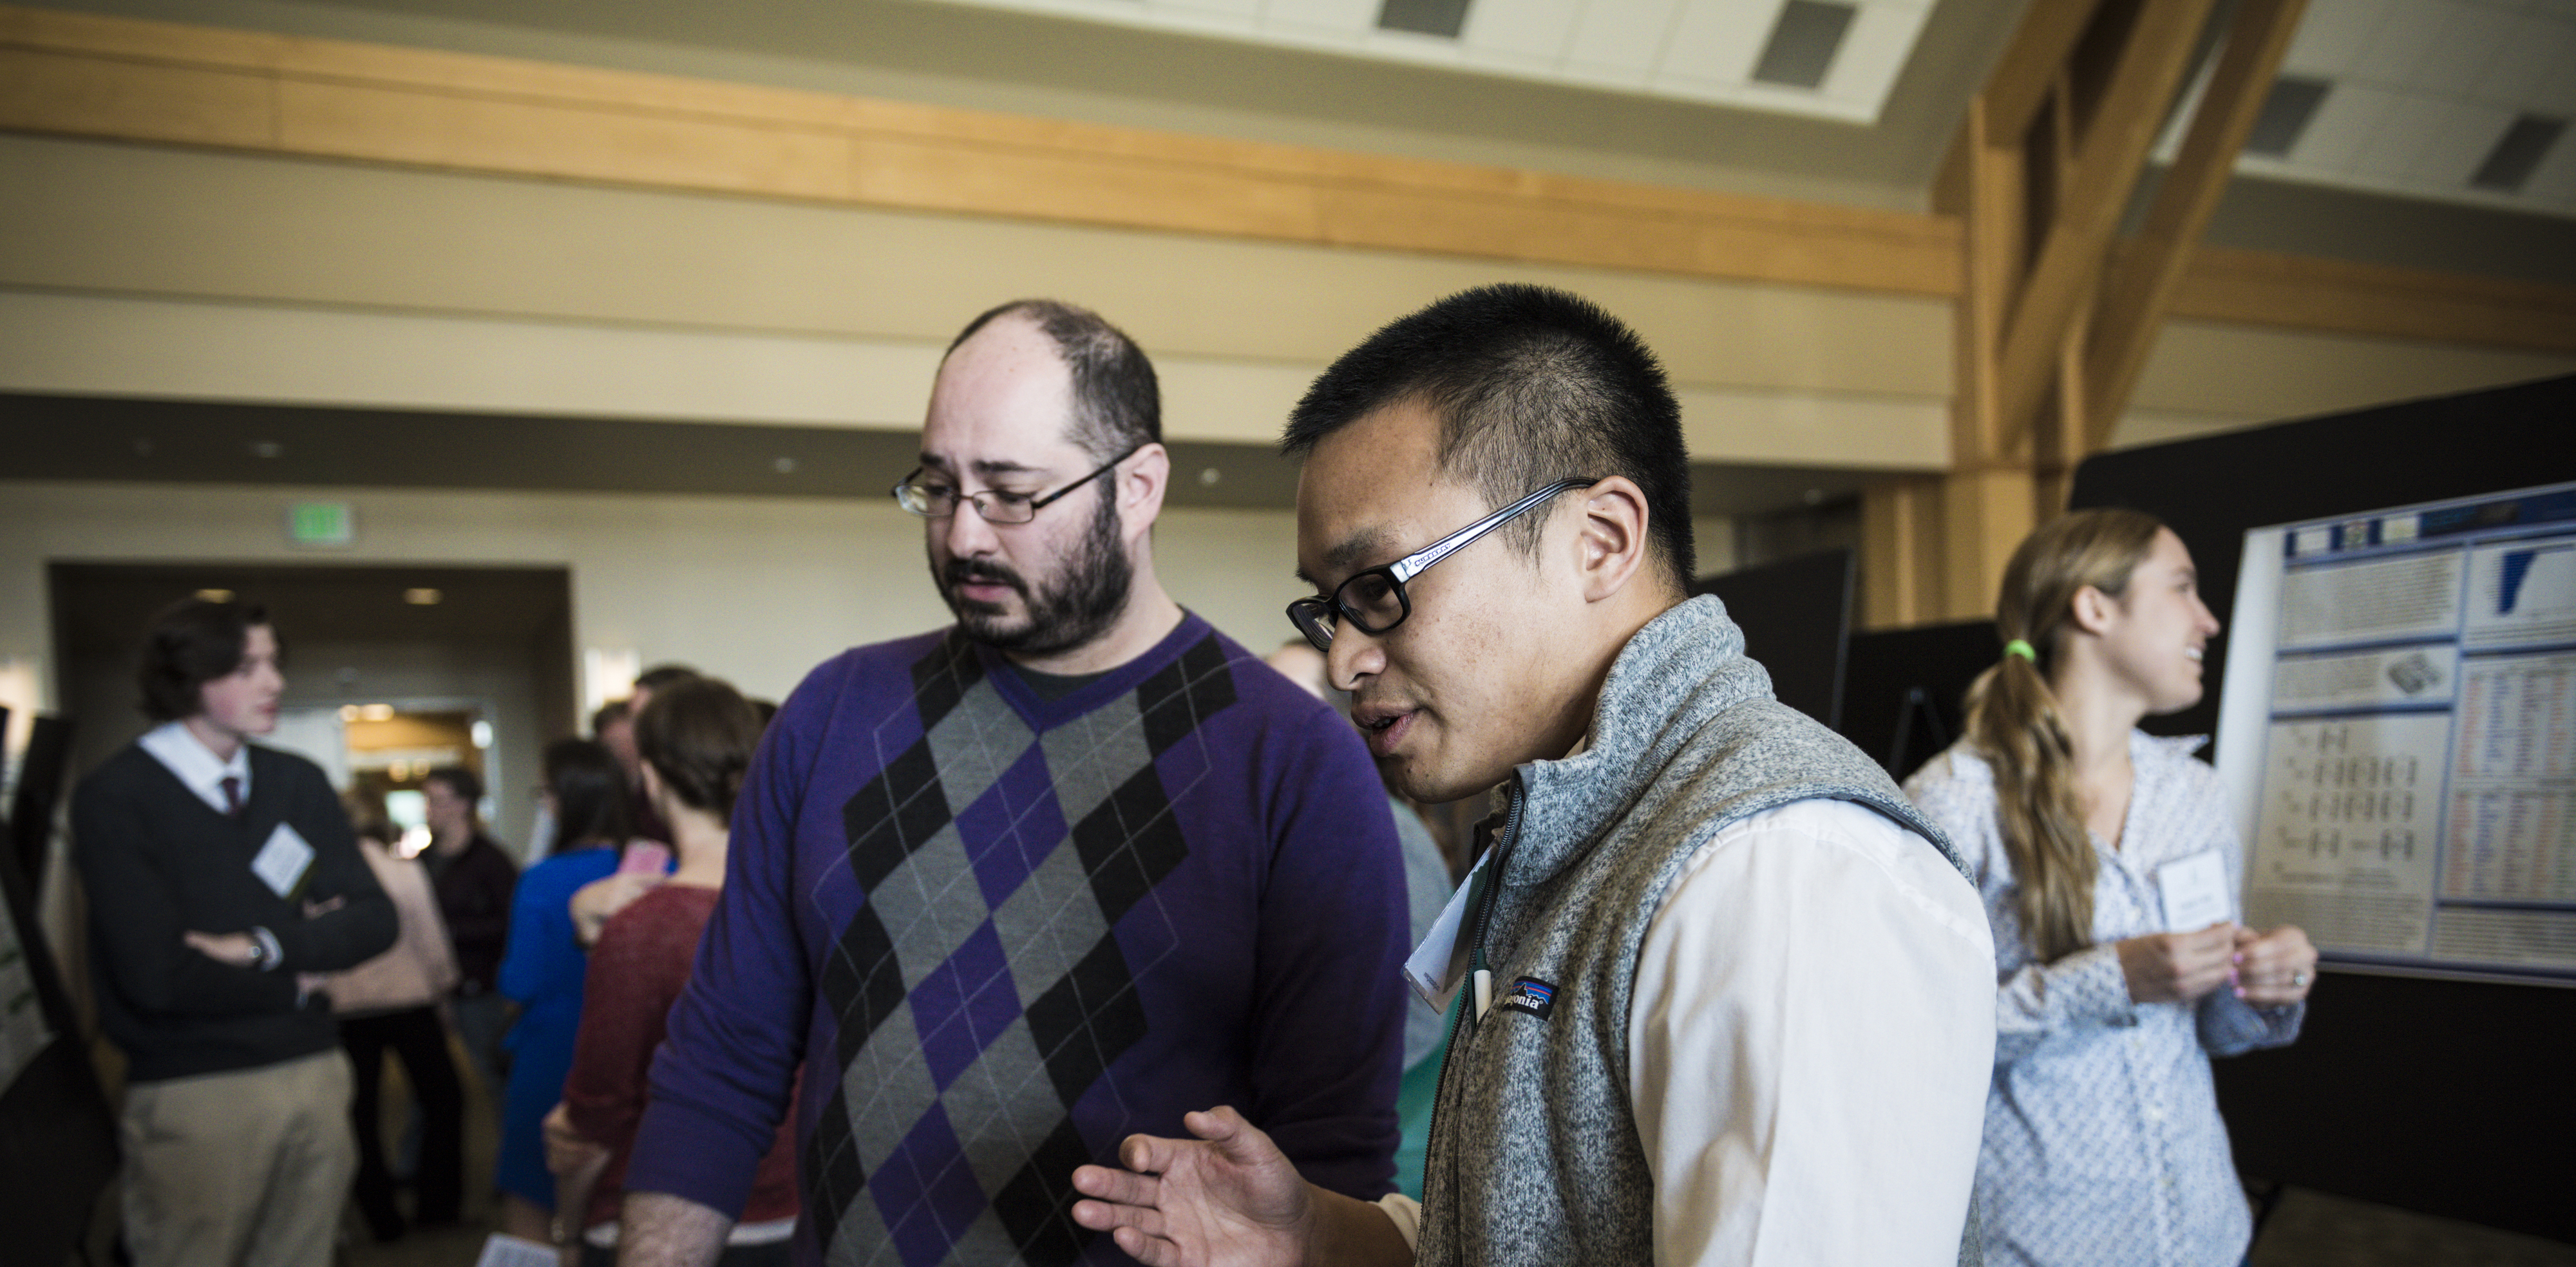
[(1412, 565)]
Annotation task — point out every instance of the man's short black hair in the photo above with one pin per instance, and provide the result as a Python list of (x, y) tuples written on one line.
[(1530, 385), (1117, 402), (188, 644)]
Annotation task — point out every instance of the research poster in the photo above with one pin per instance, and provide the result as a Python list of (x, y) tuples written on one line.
[(2398, 732)]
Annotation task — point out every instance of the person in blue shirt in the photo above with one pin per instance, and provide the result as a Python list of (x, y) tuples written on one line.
[(543, 968)]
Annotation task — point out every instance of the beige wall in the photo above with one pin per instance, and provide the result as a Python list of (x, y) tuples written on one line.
[(756, 589), (136, 270)]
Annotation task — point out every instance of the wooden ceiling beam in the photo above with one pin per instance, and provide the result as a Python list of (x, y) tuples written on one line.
[(2028, 71), (2107, 166), (2140, 283)]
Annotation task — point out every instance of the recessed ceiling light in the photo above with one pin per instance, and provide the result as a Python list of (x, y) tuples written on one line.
[(1423, 17), (267, 448), (784, 466), (422, 596), (377, 712), (2517, 153), (2287, 110), (216, 596), (1803, 44), (1211, 475)]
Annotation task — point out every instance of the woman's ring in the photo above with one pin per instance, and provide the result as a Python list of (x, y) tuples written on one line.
[(2298, 978)]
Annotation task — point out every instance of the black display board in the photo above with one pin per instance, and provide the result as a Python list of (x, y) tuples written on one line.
[(57, 1135), (40, 786), (1903, 690), (2452, 1098), (1796, 617)]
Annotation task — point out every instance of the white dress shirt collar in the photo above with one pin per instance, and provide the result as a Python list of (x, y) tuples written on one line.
[(198, 768)]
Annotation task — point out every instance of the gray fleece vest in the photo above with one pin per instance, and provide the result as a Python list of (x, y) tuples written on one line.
[(1534, 1154)]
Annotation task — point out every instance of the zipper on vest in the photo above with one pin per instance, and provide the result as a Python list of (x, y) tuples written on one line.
[(1484, 917)]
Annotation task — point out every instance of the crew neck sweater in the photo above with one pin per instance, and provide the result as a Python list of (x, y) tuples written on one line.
[(158, 862)]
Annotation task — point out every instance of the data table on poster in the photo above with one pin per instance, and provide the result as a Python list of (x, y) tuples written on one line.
[(2398, 730)]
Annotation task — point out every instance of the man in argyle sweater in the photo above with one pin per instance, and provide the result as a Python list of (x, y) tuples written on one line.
[(1014, 890)]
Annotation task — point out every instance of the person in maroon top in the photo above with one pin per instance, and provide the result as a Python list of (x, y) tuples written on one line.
[(696, 738)]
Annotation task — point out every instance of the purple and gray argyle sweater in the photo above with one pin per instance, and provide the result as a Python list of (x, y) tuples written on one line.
[(1003, 933)]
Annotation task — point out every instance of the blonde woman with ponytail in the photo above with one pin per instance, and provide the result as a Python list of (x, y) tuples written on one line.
[(2103, 1142)]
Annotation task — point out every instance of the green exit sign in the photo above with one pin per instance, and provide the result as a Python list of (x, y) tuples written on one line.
[(321, 524)]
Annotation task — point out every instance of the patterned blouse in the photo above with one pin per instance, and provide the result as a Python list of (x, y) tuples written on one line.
[(2103, 1141)]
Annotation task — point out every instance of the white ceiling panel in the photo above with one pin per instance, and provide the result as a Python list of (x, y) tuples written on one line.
[(2540, 46), (1621, 35), (2344, 125), (2474, 39), (2554, 181), (1340, 17), (2332, 36), (1242, 12), (2398, 45), (2459, 137), (1717, 40), (1533, 29), (1874, 52), (2421, 90), (2405, 128), (2556, 94)]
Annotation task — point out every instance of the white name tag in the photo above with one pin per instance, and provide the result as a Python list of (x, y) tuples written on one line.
[(1437, 964), (281, 862), (2194, 891)]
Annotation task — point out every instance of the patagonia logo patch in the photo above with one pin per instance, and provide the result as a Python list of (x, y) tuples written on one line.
[(1531, 995)]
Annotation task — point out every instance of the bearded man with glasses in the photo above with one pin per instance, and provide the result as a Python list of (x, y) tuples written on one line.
[(1015, 889), (1719, 995)]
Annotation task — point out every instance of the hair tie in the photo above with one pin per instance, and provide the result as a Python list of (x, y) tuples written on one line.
[(2022, 649)]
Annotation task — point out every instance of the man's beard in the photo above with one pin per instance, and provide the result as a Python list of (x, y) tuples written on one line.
[(1089, 593)]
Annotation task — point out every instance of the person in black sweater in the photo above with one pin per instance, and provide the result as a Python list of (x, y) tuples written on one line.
[(222, 880), (474, 879)]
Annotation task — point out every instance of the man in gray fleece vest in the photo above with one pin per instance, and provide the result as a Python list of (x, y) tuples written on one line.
[(1721, 995)]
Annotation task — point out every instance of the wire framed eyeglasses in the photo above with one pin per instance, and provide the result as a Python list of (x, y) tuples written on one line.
[(939, 501)]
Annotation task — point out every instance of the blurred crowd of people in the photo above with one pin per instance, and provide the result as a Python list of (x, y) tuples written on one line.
[(1071, 931)]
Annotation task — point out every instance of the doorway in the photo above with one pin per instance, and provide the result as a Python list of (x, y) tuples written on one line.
[(391, 670)]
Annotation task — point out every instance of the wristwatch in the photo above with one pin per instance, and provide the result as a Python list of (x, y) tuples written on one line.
[(258, 954)]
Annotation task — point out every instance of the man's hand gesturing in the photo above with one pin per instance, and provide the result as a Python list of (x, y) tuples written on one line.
[(1226, 1199)]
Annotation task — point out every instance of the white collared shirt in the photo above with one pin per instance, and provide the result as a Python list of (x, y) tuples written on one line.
[(1811, 1032), (171, 744), (2103, 1140)]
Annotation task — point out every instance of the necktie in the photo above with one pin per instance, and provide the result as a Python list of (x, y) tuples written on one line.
[(232, 796)]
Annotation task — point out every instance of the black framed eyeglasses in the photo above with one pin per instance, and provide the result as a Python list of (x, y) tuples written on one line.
[(1374, 601), (939, 501)]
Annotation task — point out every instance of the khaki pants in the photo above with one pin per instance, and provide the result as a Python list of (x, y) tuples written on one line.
[(247, 1168)]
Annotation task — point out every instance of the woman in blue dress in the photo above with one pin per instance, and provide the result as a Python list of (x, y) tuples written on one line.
[(543, 968)]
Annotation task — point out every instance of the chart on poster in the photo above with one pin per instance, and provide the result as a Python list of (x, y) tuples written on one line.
[(2398, 730)]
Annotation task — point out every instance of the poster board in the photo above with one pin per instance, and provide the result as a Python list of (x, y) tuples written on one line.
[(2441, 1095), (2398, 734)]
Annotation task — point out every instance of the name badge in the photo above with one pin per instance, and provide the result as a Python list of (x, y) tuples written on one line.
[(2194, 890), (282, 861), (1436, 965)]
